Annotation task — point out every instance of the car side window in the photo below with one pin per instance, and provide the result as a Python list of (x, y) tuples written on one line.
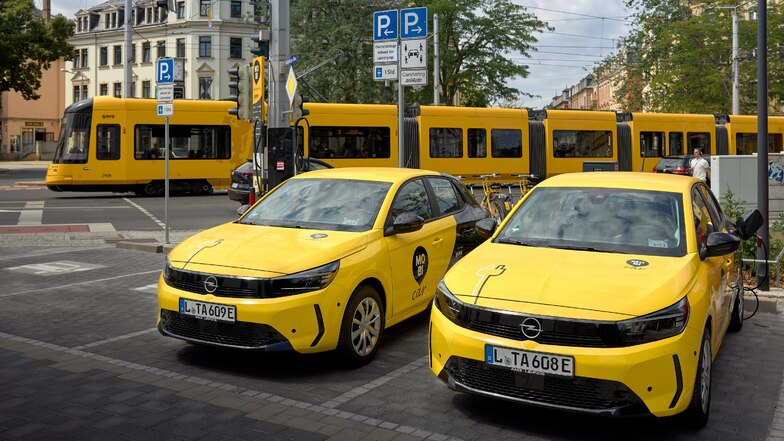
[(703, 221), (412, 198), (446, 197), (713, 207)]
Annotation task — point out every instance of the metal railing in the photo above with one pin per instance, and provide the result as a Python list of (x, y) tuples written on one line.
[(777, 262)]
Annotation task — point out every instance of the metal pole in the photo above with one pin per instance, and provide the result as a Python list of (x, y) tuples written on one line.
[(279, 51), (127, 65), (166, 182), (401, 103), (762, 138), (735, 83), (436, 62)]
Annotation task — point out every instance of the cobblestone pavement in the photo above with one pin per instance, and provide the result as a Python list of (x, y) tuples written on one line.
[(80, 359)]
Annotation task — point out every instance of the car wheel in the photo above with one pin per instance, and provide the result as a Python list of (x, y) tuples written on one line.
[(699, 408), (736, 319), (362, 327)]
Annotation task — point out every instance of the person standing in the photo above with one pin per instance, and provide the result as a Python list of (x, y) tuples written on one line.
[(699, 166)]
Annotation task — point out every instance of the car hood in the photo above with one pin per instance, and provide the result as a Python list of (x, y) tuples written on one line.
[(261, 251), (569, 283)]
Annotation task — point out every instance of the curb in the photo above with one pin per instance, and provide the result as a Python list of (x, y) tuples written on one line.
[(30, 183), (146, 246)]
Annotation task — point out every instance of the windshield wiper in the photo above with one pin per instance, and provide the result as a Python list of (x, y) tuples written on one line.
[(522, 243), (585, 248)]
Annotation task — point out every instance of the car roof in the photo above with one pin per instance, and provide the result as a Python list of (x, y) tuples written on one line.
[(381, 174), (630, 180)]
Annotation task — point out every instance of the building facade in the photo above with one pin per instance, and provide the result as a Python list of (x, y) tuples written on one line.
[(209, 36)]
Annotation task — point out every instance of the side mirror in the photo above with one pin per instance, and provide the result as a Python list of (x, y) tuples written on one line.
[(486, 227), (749, 223), (720, 244), (407, 223), (242, 209)]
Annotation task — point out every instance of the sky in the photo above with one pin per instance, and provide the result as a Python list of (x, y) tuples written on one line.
[(585, 31)]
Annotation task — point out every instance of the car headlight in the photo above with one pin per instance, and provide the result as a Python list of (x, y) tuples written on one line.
[(448, 304), (659, 325), (305, 281)]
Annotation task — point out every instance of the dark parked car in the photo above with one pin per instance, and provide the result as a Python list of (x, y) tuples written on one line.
[(242, 178), (677, 165)]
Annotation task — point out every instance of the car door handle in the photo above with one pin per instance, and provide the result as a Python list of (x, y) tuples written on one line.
[(85, 168), (437, 241)]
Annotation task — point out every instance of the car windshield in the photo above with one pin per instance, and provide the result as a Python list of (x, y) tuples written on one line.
[(600, 219), (670, 163), (322, 204)]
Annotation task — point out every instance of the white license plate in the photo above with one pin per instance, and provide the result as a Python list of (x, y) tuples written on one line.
[(235, 184), (530, 362), (208, 311)]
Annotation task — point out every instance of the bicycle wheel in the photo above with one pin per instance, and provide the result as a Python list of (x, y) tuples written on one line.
[(497, 210)]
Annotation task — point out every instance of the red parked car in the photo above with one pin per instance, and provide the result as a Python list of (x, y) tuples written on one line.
[(678, 165)]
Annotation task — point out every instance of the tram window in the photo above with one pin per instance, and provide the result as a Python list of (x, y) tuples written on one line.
[(699, 141), (477, 143), (108, 141), (676, 143), (186, 142), (651, 144), (74, 138), (446, 143), (582, 144), (506, 143), (349, 142), (746, 143)]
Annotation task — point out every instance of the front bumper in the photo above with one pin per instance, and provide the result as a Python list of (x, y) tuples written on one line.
[(654, 378), (305, 323)]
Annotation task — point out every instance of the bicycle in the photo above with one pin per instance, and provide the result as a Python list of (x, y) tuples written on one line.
[(525, 183), (496, 203)]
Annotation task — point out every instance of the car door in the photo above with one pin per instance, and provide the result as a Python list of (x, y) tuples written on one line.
[(712, 271), (418, 259)]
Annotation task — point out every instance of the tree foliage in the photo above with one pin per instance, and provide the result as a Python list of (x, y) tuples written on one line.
[(678, 58), (476, 37), (29, 46)]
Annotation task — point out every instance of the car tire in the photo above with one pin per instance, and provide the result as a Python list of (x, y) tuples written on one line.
[(362, 327), (736, 318), (696, 416)]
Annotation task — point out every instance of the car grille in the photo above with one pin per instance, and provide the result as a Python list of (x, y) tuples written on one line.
[(554, 331), (576, 392), (227, 286), (238, 334)]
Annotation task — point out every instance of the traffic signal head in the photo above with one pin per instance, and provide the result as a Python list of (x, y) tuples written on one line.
[(241, 90), (297, 110)]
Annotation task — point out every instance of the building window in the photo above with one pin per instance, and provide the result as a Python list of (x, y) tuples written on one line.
[(133, 89), (145, 89), (181, 47), (114, 20), (235, 47), (84, 57), (205, 46), (104, 56), (161, 49), (79, 25), (133, 53), (106, 21), (76, 90), (205, 88), (104, 89), (77, 60), (84, 91), (180, 9), (146, 52), (236, 9), (118, 90), (157, 14), (204, 7), (117, 55), (149, 15)]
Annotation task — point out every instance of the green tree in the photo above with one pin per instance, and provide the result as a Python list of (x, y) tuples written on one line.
[(29, 46), (476, 39), (678, 58)]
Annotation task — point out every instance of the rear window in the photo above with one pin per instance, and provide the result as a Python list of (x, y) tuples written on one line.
[(245, 168), (671, 163)]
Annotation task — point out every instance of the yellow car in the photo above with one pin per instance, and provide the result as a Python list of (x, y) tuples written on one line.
[(605, 293), (326, 260)]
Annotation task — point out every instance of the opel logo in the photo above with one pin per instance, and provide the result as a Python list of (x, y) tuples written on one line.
[(210, 284), (531, 328)]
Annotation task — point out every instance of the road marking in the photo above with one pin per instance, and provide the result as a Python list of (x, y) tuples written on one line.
[(53, 251), (146, 213), (54, 268), (365, 388), (79, 283), (32, 214), (153, 287), (217, 385), (114, 339)]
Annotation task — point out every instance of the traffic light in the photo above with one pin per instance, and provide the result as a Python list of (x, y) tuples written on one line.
[(261, 46), (241, 90), (297, 110)]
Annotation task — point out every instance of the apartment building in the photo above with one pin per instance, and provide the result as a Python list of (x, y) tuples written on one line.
[(210, 36)]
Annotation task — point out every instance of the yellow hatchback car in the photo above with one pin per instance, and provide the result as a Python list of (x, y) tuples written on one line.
[(606, 293), (326, 260)]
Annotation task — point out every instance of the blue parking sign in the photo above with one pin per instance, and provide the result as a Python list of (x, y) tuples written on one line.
[(385, 25), (164, 69), (413, 23)]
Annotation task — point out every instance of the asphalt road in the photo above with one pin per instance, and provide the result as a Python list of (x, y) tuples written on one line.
[(80, 358)]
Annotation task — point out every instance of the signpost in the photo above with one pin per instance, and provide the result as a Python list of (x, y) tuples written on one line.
[(164, 79)]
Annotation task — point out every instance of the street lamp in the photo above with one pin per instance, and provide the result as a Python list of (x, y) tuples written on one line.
[(735, 69)]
